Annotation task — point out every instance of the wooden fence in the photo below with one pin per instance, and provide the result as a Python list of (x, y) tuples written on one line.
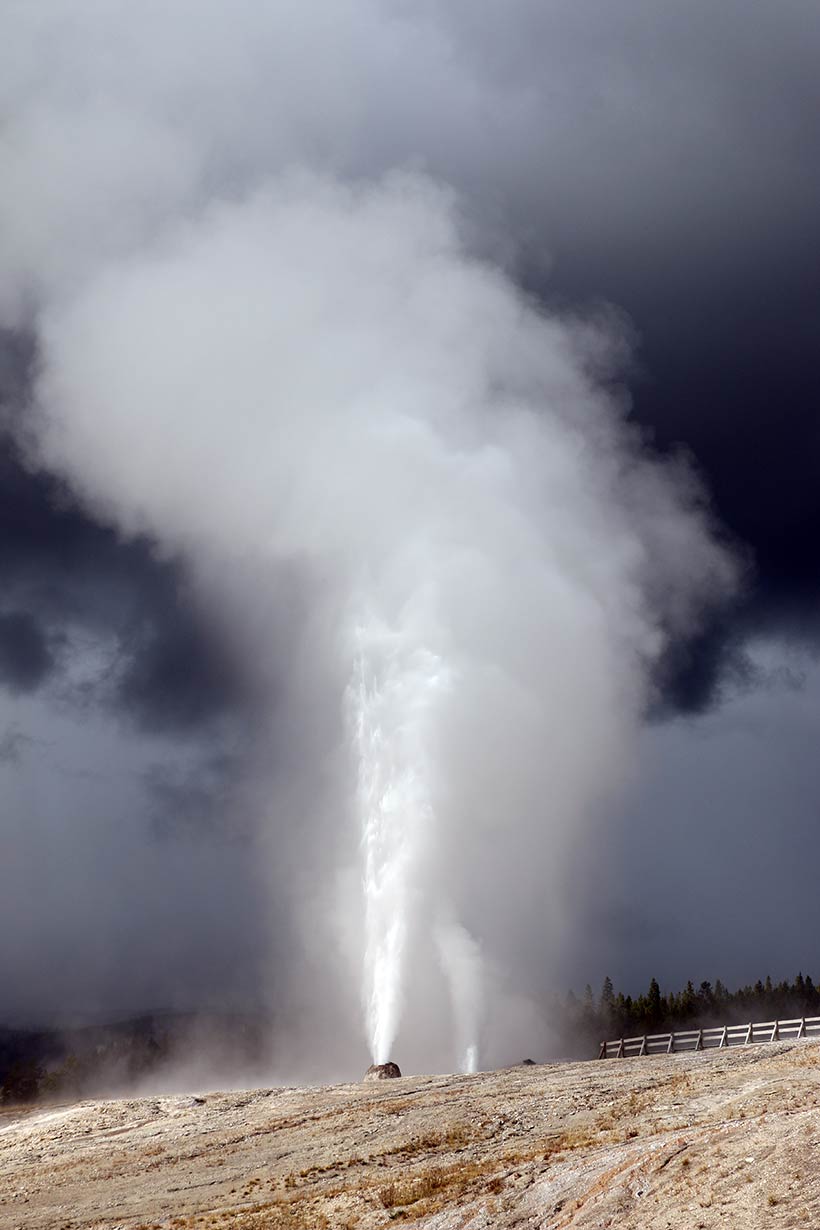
[(710, 1039)]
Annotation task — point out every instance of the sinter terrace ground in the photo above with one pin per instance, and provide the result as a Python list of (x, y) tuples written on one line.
[(726, 1139)]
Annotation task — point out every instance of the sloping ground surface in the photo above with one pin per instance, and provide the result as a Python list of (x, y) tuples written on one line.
[(689, 1141)]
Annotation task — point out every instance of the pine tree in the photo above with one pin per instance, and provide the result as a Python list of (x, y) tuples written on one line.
[(688, 1002), (653, 1003)]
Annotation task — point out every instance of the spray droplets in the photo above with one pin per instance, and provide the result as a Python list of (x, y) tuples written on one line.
[(392, 705)]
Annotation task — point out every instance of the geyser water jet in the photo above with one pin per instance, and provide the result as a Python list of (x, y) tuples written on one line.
[(392, 705), (460, 956)]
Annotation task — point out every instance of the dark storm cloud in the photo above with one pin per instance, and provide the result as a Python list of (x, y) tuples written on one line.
[(25, 657), (716, 847), (13, 743), (723, 287), (177, 674), (62, 571), (193, 798), (143, 831), (695, 673), (740, 386)]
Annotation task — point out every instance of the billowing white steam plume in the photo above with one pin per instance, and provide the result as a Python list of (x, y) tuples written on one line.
[(277, 367)]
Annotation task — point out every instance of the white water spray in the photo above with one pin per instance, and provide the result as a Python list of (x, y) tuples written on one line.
[(460, 957), (392, 703)]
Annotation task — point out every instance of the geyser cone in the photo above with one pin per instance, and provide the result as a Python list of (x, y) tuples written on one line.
[(382, 1072)]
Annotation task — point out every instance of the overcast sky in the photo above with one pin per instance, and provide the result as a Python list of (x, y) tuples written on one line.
[(655, 167)]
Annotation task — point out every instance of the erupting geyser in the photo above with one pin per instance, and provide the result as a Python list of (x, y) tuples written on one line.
[(393, 709), (410, 496)]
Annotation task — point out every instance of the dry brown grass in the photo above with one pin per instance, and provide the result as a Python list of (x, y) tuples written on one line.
[(450, 1139), (455, 1137), (432, 1190), (428, 1191), (277, 1215)]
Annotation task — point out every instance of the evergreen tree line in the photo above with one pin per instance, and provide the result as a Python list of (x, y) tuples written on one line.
[(589, 1020), (93, 1061), (26, 1076)]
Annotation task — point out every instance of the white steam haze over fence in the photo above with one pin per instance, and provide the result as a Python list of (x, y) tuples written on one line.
[(274, 344)]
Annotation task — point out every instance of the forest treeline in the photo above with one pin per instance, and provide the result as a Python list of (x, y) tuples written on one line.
[(104, 1060), (588, 1019)]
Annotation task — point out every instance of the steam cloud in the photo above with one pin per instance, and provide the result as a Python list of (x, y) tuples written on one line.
[(274, 347)]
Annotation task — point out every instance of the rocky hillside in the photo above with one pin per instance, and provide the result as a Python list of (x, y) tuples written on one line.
[(689, 1141)]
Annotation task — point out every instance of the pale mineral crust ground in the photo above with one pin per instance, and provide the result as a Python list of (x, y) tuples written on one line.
[(727, 1139)]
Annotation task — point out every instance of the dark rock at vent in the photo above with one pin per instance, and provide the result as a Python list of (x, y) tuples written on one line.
[(382, 1072)]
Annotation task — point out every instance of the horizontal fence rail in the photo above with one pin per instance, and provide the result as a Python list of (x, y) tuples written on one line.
[(711, 1039)]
